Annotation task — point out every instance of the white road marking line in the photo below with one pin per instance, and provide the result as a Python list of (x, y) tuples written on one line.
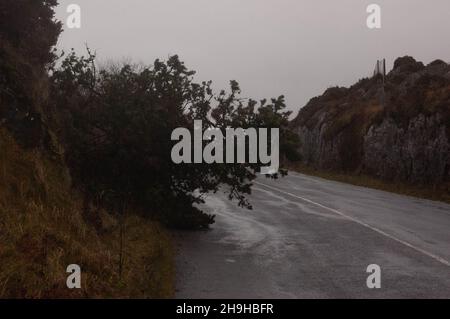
[(379, 231)]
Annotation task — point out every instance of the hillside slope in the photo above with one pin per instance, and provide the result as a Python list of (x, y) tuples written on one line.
[(44, 227), (46, 222), (399, 132)]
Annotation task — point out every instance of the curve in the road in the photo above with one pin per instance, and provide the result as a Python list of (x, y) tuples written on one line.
[(379, 231)]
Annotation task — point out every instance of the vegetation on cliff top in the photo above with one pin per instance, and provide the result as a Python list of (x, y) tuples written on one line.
[(410, 89), (395, 131)]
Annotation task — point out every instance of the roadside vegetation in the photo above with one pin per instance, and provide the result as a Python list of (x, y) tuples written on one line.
[(439, 192), (86, 175), (115, 124), (44, 228)]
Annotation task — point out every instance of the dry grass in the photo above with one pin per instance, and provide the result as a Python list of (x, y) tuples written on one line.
[(42, 231), (438, 193)]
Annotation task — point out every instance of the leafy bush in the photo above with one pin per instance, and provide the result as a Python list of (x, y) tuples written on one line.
[(116, 124)]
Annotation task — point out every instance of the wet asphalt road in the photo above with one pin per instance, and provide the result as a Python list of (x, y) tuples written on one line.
[(312, 238)]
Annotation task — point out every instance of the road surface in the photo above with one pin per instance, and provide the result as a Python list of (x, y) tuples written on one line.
[(312, 238)]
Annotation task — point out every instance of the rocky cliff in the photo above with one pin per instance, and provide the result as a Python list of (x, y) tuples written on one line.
[(396, 129)]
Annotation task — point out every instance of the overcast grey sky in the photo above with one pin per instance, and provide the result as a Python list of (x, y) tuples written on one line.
[(271, 47)]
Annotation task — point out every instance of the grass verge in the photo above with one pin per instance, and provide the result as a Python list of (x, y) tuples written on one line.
[(436, 192), (43, 230)]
